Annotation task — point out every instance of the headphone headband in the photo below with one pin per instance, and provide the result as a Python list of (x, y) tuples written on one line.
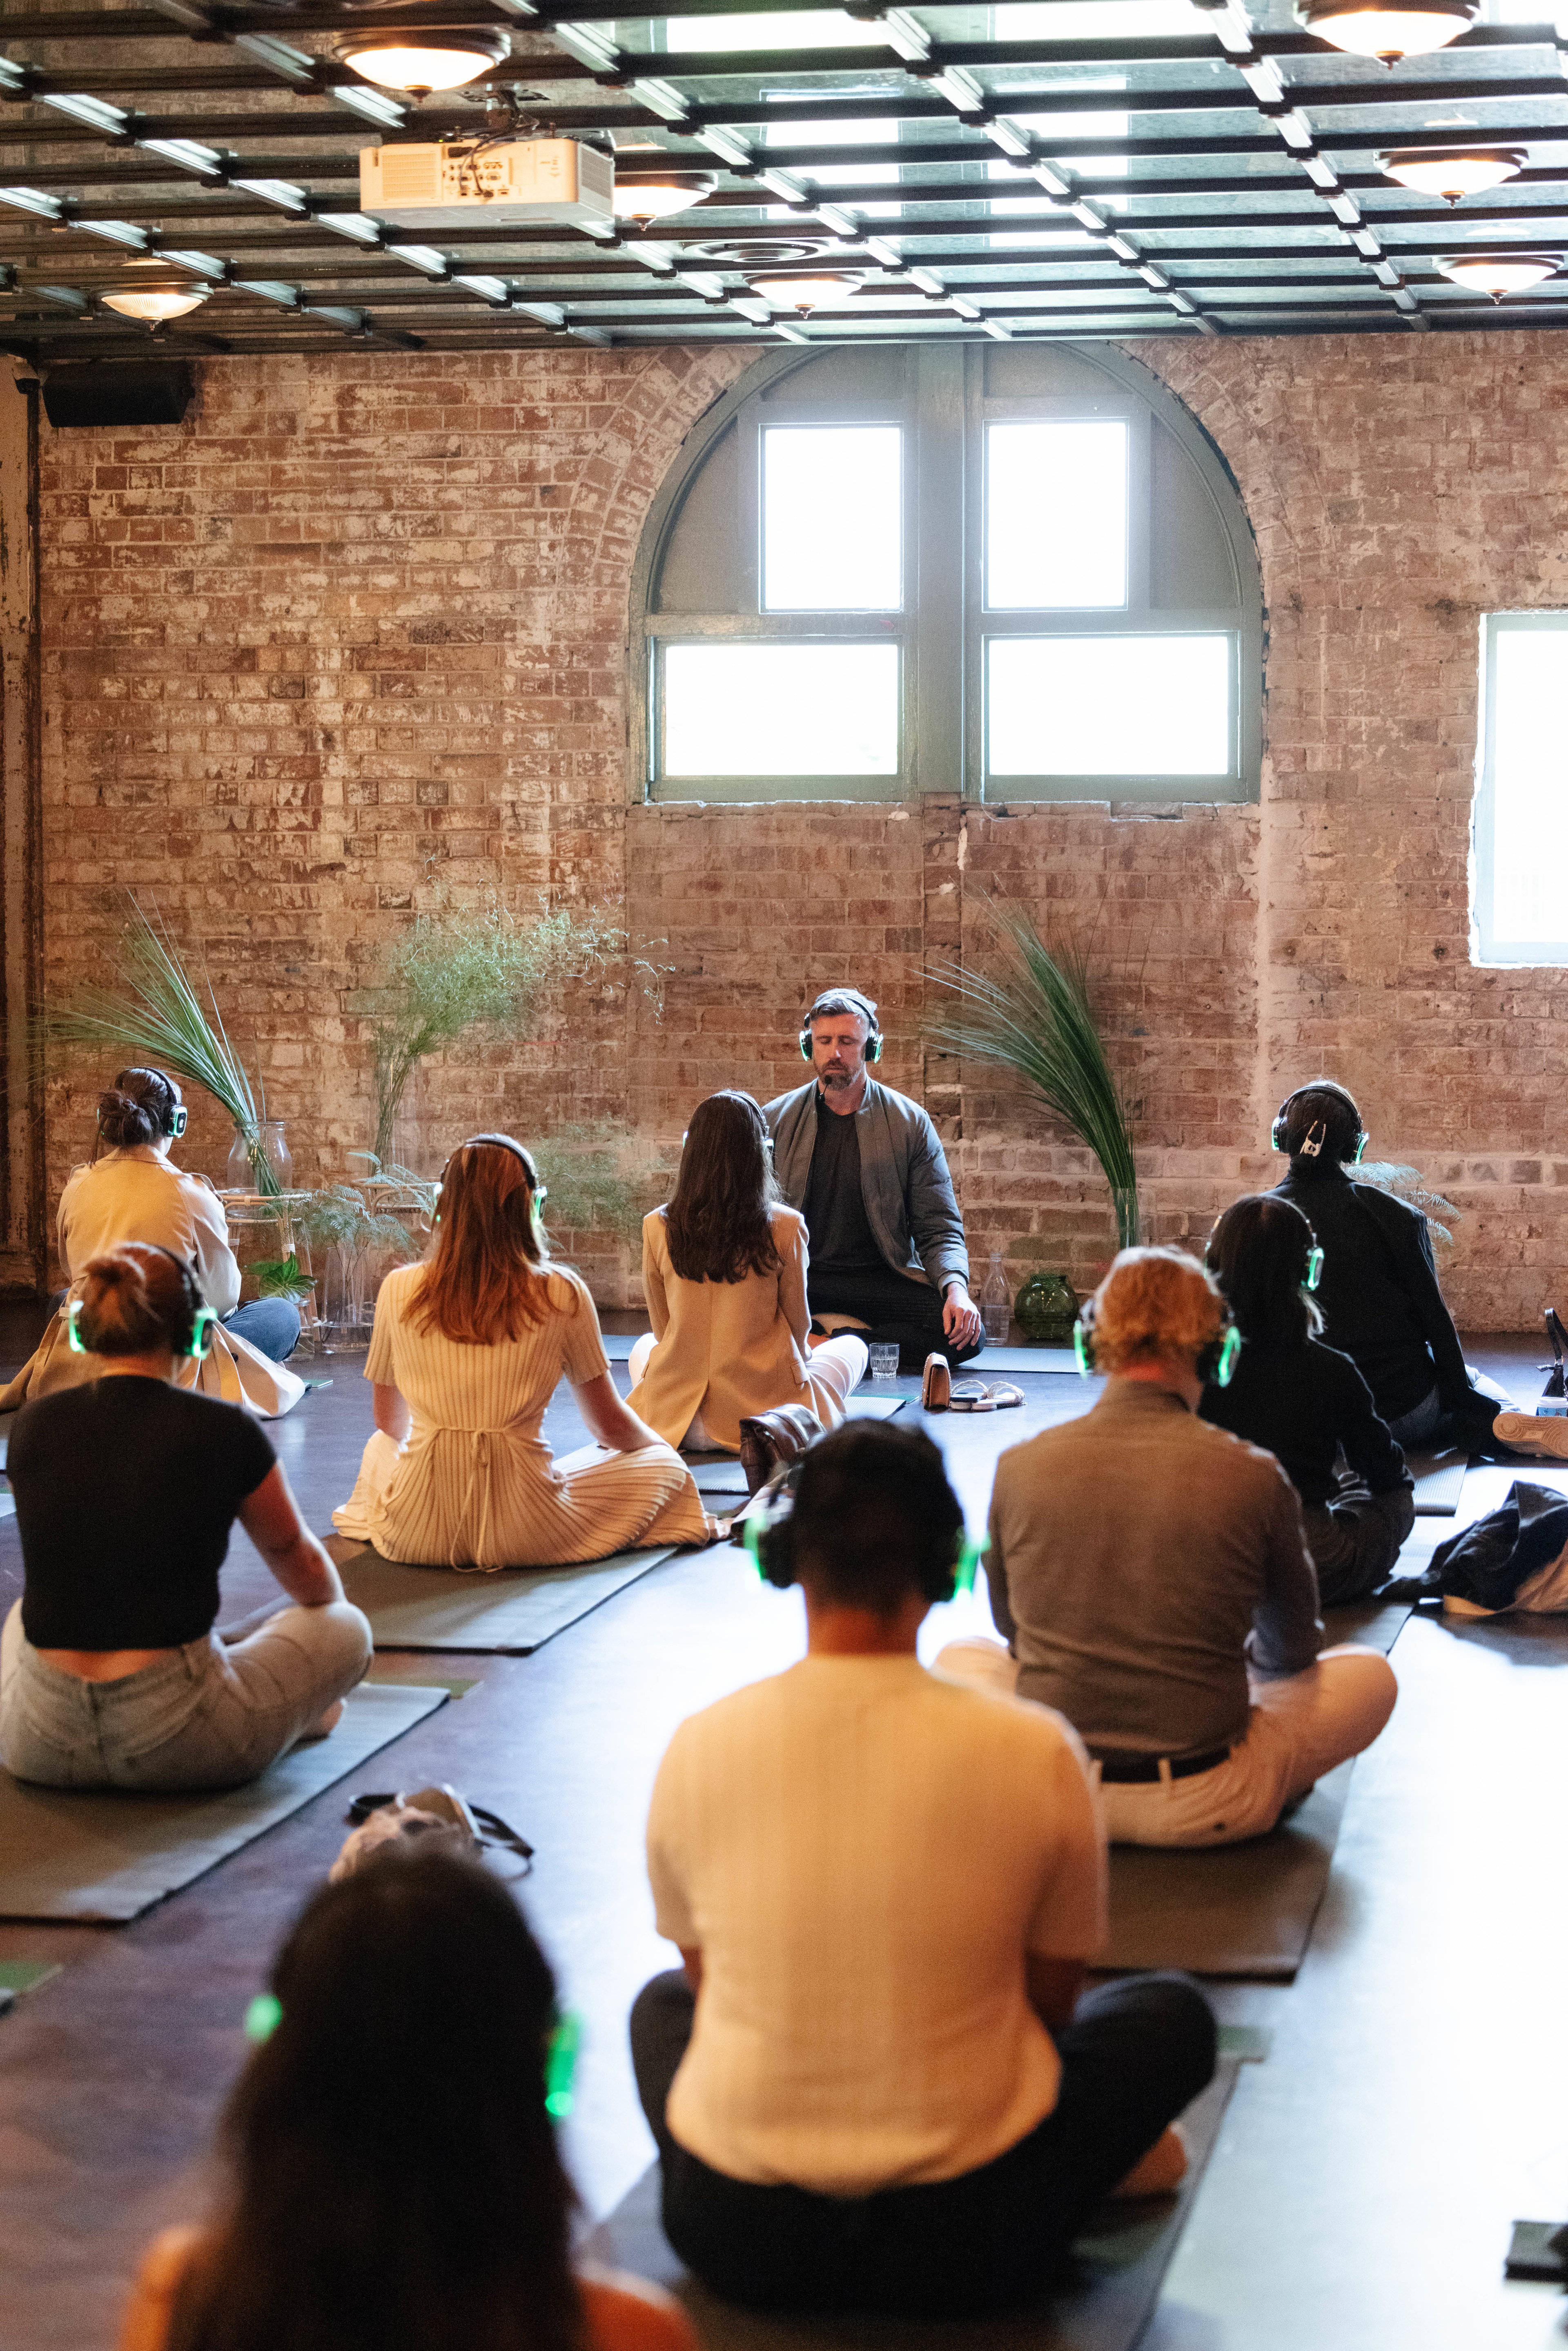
[(1216, 1361), (1311, 1148), (202, 1320), (767, 1538)]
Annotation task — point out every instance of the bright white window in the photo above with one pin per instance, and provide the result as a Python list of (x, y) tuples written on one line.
[(832, 537), (782, 709), (1056, 515), (1119, 706), (1520, 902), (806, 28)]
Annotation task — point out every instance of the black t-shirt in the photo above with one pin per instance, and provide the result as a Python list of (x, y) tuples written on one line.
[(837, 1226), (1379, 1295), (1302, 1403), (126, 1489)]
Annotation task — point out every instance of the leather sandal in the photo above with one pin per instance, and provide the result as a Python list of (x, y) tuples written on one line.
[(936, 1384)]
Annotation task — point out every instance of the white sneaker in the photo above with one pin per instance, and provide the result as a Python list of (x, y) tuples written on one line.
[(1533, 1433)]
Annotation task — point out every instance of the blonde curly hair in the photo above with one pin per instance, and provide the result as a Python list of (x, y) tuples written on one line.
[(1153, 1305)]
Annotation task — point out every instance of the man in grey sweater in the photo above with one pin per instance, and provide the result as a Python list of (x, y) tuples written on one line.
[(866, 1169), (1151, 1577)]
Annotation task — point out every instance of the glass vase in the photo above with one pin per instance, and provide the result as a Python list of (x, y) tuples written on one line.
[(260, 1159), (1047, 1308), (342, 1293)]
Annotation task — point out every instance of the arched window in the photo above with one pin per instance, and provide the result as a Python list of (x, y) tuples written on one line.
[(1016, 571)]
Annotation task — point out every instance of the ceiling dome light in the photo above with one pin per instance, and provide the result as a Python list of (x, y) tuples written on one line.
[(154, 306), (1389, 29), (418, 64), (1452, 171), (1498, 274), (651, 199), (804, 294)]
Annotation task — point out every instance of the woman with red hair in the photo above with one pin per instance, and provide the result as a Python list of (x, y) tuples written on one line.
[(468, 1350)]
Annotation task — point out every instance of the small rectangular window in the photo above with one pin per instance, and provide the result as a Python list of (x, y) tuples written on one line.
[(1122, 706), (1522, 804), (1056, 515), (832, 533), (780, 709)]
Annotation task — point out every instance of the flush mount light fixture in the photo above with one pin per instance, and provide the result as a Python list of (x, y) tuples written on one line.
[(804, 294), (1498, 274), (1389, 29), (154, 306), (652, 199), (419, 63), (1452, 171)]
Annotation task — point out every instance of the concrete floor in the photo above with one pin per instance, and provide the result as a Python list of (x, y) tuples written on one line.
[(1414, 2102)]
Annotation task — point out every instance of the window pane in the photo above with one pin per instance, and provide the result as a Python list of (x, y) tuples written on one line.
[(1109, 706), (1056, 515), (831, 534), (1530, 784), (780, 710)]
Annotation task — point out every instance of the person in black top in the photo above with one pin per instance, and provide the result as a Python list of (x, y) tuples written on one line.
[(127, 1489), (1305, 1403), (1379, 1295)]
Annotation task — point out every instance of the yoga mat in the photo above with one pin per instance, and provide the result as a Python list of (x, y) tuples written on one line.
[(1439, 1482), (1243, 1910), (1120, 2263), (1376, 1625), (509, 1614), (68, 1853)]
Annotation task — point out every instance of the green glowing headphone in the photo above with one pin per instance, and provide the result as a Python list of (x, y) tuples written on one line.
[(859, 1004), (766, 1534), (1216, 1362), (203, 1319), (1314, 1271), (265, 2014)]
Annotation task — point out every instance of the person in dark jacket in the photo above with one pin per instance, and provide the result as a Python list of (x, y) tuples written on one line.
[(1379, 1295), (1305, 1403)]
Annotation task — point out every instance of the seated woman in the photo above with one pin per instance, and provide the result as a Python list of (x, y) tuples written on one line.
[(468, 1351), (1379, 1295), (110, 1674), (724, 1266), (873, 2082), (395, 2176), (1151, 1577), (132, 1194), (1305, 1403)]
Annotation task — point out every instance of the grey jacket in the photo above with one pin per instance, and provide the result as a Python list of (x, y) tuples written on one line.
[(905, 1183)]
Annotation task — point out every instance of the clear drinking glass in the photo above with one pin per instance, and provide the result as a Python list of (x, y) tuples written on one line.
[(884, 1363)]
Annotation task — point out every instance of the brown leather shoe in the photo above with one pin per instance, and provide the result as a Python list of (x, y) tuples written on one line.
[(936, 1386)]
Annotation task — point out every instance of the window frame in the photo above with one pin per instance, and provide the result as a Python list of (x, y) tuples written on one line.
[(1521, 954), (943, 627)]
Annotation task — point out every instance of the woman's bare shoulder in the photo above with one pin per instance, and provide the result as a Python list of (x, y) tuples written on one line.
[(627, 2313)]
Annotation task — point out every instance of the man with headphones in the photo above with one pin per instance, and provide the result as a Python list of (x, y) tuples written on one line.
[(873, 2084), (865, 1167), (1151, 1576)]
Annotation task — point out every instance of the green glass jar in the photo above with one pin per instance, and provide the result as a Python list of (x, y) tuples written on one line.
[(1047, 1308)]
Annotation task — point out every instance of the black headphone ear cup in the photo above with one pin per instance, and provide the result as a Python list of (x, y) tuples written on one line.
[(776, 1556)]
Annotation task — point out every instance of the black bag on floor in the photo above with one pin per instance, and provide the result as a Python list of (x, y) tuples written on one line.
[(1490, 1563)]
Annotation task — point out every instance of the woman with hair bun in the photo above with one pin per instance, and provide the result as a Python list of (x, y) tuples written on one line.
[(111, 1673), (725, 1265), (395, 2180), (468, 1349), (130, 1192), (1151, 1577)]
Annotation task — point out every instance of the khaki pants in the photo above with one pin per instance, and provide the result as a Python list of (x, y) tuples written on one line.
[(1298, 1729)]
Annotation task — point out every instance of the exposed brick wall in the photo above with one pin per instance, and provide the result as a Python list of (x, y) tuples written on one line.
[(354, 634)]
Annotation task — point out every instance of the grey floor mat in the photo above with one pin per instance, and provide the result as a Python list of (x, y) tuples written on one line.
[(1120, 2267), (510, 1614), (1439, 1482), (77, 1854), (1244, 1910)]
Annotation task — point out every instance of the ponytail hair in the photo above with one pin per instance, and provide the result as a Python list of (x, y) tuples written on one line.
[(137, 1300), (138, 1108)]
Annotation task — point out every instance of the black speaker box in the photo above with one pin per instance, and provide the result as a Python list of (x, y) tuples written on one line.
[(119, 391)]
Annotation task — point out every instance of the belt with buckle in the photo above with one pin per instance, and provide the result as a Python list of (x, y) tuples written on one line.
[(1121, 1771)]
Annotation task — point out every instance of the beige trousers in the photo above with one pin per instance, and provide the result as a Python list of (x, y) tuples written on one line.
[(1298, 1729)]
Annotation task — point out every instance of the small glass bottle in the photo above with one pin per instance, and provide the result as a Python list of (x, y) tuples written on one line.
[(996, 1304)]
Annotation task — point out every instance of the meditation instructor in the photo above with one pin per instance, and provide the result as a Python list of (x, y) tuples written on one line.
[(866, 1169)]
